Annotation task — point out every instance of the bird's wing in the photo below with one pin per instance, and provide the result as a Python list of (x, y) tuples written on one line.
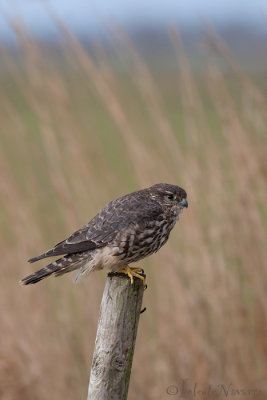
[(84, 239), (118, 215)]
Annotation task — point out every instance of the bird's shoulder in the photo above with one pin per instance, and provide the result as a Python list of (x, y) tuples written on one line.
[(118, 215)]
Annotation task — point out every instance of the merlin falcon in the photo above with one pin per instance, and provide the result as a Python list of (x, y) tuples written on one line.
[(126, 230)]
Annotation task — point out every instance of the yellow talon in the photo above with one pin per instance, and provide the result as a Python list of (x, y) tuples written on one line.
[(137, 270), (131, 272)]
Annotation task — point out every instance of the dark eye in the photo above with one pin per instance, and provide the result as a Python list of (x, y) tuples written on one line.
[(171, 196)]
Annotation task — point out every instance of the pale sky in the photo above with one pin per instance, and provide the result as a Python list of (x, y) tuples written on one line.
[(93, 15)]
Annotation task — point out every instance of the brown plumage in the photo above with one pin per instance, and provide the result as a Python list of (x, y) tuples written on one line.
[(124, 231)]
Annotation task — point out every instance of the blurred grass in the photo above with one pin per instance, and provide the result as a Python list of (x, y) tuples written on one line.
[(77, 130)]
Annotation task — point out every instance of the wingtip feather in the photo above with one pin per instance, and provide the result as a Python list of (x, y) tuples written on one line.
[(33, 259)]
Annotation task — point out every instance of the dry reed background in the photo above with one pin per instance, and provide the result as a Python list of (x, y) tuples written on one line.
[(78, 130)]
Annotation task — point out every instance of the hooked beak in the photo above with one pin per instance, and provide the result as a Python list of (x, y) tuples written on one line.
[(183, 203)]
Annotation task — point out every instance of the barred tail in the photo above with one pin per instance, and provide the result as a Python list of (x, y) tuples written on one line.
[(58, 267)]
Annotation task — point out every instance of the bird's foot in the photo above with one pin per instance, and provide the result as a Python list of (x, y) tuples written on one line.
[(140, 271), (131, 272), (137, 270)]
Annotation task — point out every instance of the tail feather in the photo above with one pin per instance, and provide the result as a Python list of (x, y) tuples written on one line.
[(58, 267), (41, 274)]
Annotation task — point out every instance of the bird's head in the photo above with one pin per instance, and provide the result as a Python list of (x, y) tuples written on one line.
[(170, 196)]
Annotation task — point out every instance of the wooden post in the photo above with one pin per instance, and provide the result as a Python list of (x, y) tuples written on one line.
[(115, 338)]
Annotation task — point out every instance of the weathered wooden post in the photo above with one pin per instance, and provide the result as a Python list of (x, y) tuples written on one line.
[(115, 338)]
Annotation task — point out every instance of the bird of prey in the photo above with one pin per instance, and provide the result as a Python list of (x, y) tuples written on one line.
[(126, 230)]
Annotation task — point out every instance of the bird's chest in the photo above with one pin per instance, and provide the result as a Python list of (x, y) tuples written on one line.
[(139, 242)]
